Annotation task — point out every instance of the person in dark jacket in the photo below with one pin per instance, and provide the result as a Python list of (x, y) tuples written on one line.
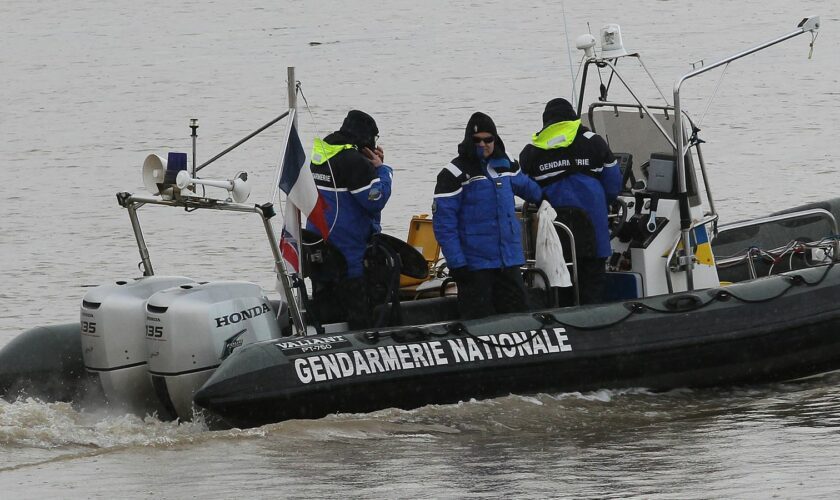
[(576, 169), (476, 225), (351, 177)]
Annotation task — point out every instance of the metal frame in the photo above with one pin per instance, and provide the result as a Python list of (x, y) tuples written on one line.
[(702, 163), (807, 25), (133, 202)]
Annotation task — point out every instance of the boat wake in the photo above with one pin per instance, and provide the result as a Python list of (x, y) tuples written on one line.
[(34, 433), (29, 423)]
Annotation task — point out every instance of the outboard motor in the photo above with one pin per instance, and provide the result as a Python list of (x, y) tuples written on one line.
[(113, 322), (191, 329)]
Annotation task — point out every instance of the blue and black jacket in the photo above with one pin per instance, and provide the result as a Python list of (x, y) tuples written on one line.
[(355, 193), (474, 213), (575, 168)]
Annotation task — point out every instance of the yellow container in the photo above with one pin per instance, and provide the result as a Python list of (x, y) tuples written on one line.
[(422, 237)]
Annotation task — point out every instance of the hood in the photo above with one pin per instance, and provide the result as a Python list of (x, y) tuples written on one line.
[(359, 129), (558, 110), (479, 122)]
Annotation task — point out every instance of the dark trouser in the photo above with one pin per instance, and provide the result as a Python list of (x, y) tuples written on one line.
[(491, 291), (591, 278), (343, 300)]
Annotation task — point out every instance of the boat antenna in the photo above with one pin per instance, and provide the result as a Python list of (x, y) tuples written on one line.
[(569, 51), (602, 89), (194, 135)]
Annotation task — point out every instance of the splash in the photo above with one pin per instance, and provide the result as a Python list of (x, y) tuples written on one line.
[(32, 423)]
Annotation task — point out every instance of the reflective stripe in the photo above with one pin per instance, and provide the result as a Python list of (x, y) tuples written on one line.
[(589, 134), (333, 190), (366, 187), (453, 170), (447, 195), (550, 174), (566, 172), (556, 135), (613, 164), (323, 151)]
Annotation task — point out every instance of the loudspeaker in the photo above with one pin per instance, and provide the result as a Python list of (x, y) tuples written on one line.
[(239, 187), (154, 171)]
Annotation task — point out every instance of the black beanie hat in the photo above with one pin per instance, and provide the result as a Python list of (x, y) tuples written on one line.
[(479, 122), (558, 110), (360, 128)]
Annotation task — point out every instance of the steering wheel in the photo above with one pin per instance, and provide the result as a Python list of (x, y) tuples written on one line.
[(617, 216)]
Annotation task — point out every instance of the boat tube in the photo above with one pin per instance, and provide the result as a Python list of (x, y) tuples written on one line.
[(769, 329), (45, 362)]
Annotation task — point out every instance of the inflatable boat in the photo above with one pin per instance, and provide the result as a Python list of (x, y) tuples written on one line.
[(774, 328), (691, 302)]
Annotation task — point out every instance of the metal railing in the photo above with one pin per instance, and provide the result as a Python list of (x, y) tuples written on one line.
[(572, 264), (820, 212), (807, 25)]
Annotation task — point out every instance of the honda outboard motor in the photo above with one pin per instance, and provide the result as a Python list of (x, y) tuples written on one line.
[(113, 326), (191, 329)]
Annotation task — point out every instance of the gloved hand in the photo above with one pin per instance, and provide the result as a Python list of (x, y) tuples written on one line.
[(459, 273)]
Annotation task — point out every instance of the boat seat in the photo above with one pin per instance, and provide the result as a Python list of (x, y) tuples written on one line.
[(322, 261)]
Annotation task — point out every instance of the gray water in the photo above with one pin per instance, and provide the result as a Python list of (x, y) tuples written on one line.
[(90, 88)]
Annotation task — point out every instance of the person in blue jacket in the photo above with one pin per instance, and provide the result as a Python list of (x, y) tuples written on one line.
[(476, 225), (576, 169), (351, 177)]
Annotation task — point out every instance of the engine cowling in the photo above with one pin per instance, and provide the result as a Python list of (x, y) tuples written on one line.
[(113, 325), (192, 328)]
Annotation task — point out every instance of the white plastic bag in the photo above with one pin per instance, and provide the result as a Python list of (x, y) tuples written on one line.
[(549, 251)]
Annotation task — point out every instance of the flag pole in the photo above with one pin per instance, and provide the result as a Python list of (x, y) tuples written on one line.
[(280, 264), (291, 88)]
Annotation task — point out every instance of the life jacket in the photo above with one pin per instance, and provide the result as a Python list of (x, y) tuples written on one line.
[(575, 168)]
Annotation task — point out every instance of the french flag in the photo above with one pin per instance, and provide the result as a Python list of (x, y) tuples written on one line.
[(297, 182), (289, 241)]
